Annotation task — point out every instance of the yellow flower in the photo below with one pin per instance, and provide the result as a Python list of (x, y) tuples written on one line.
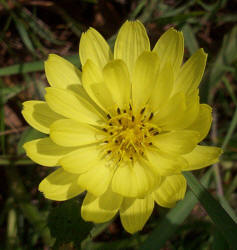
[(124, 128)]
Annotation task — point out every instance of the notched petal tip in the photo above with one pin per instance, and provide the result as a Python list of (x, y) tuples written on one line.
[(93, 46), (201, 157)]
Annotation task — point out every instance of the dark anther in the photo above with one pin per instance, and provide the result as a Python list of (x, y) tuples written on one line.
[(156, 133), (120, 122), (130, 107), (131, 158), (104, 129), (106, 141), (110, 124), (142, 111), (133, 118), (111, 133), (116, 141), (151, 129), (151, 115), (150, 143), (109, 151), (145, 136), (108, 116), (118, 111), (124, 111)]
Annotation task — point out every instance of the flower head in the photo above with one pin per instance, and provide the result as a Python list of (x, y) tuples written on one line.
[(124, 128)]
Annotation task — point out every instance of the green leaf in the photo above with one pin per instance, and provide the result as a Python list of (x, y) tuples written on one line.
[(66, 225), (219, 242), (216, 212), (28, 135), (170, 223)]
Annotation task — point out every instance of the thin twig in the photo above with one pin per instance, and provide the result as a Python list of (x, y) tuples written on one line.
[(14, 130)]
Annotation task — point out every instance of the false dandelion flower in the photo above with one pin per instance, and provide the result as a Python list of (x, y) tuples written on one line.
[(124, 127)]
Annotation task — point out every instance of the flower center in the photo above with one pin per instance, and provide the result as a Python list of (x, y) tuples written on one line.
[(128, 135)]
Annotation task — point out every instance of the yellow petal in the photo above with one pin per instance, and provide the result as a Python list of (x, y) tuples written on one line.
[(94, 209), (70, 105), (173, 107), (144, 77), (116, 77), (203, 121), (94, 47), (39, 115), (171, 190), (131, 41), (176, 142), (170, 48), (185, 109), (60, 186), (201, 157), (134, 213), (70, 133), (97, 179), (162, 88), (93, 82), (61, 73), (191, 73), (45, 152), (81, 160), (164, 164), (133, 180), (110, 201)]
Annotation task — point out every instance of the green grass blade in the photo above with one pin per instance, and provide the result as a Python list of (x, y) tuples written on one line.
[(189, 38), (231, 129), (32, 66), (216, 212), (2, 124), (38, 26), (168, 224)]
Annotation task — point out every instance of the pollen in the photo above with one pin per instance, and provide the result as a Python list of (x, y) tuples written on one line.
[(128, 134)]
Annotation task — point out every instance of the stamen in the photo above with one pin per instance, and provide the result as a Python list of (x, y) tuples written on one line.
[(142, 111), (151, 116), (128, 135)]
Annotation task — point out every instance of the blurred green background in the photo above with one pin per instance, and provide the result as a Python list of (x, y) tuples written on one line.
[(29, 31)]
